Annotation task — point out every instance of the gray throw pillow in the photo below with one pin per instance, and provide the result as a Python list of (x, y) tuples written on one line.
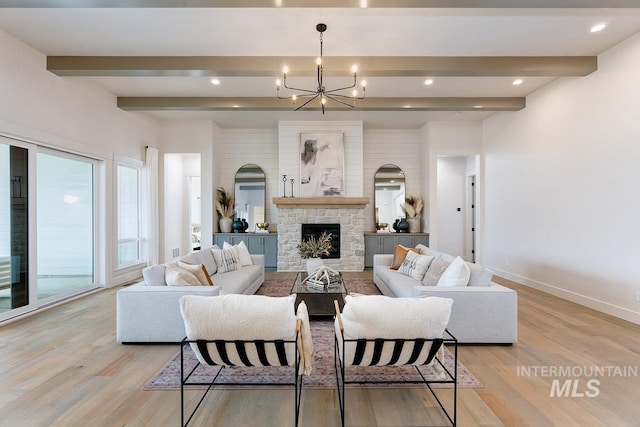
[(437, 267), (480, 276), (154, 275)]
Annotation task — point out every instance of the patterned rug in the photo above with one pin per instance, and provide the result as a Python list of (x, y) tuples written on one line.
[(323, 375)]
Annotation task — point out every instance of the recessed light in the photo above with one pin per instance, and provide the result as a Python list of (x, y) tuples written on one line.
[(407, 106), (598, 27), (428, 82), (517, 82), (215, 82), (477, 106), (363, 4)]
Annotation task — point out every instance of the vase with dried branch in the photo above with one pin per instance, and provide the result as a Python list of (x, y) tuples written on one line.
[(224, 207), (313, 248), (412, 208)]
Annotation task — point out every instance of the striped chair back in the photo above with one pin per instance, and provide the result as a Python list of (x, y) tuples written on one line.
[(389, 352), (246, 353)]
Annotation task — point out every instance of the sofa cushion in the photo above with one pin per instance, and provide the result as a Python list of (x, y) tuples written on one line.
[(415, 265), (226, 260), (425, 250), (204, 257), (154, 275), (480, 276), (457, 274), (176, 276), (435, 270), (198, 270), (236, 282), (240, 251)]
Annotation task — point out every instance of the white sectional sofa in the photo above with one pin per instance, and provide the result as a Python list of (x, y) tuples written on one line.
[(149, 311), (481, 312)]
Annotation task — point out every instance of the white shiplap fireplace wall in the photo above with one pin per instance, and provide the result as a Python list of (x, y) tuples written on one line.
[(351, 219)]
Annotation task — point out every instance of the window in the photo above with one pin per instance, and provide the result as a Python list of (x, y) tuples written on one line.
[(128, 205)]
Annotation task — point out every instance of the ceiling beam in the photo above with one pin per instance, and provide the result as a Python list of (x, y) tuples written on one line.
[(421, 4), (275, 104), (370, 66)]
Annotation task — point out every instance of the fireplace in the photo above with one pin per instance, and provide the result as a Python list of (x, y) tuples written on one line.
[(314, 230)]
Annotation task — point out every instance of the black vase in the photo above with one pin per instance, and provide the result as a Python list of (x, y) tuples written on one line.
[(237, 226), (395, 225), (245, 225), (403, 226)]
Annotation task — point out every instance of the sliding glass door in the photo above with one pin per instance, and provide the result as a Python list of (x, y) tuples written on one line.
[(14, 229), (65, 225)]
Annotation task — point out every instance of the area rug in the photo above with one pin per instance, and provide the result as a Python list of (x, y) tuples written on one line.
[(323, 375)]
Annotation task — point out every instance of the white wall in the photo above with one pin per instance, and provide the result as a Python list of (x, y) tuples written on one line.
[(73, 115), (401, 147), (562, 203)]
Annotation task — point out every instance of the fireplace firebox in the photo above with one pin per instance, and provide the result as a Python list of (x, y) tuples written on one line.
[(315, 230)]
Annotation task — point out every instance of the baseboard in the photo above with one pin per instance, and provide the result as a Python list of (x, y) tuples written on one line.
[(602, 306)]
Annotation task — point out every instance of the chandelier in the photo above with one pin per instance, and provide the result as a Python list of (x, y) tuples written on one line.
[(321, 92)]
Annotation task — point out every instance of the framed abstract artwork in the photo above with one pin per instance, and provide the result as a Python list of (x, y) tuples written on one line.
[(321, 164)]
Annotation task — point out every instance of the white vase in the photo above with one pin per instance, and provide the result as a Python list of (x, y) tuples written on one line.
[(313, 264), (414, 225), (225, 224)]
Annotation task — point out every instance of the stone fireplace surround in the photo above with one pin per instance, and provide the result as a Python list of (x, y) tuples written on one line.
[(346, 211)]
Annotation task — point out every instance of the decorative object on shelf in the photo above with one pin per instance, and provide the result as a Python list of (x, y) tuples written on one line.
[(284, 185), (245, 225), (262, 227), (224, 207), (395, 225), (321, 91), (291, 187), (382, 227), (314, 248), (238, 226), (403, 226), (412, 208)]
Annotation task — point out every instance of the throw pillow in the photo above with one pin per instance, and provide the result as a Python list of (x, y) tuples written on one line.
[(154, 275), (415, 265), (480, 276), (204, 257), (225, 260), (241, 252), (426, 250), (399, 254), (176, 276), (436, 268), (198, 270), (457, 274)]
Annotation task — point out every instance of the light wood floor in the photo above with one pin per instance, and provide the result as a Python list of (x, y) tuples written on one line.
[(63, 367)]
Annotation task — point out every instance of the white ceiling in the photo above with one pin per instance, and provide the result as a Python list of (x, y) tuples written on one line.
[(291, 32)]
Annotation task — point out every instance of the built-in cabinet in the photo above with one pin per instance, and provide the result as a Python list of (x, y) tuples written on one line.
[(257, 243), (384, 243)]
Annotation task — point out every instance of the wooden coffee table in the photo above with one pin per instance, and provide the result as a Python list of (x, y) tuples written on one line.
[(319, 299)]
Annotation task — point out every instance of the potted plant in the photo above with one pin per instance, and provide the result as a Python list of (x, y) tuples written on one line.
[(412, 208), (313, 248), (224, 207)]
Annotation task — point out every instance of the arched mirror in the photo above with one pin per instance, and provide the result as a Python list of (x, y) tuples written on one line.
[(389, 195), (250, 195)]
